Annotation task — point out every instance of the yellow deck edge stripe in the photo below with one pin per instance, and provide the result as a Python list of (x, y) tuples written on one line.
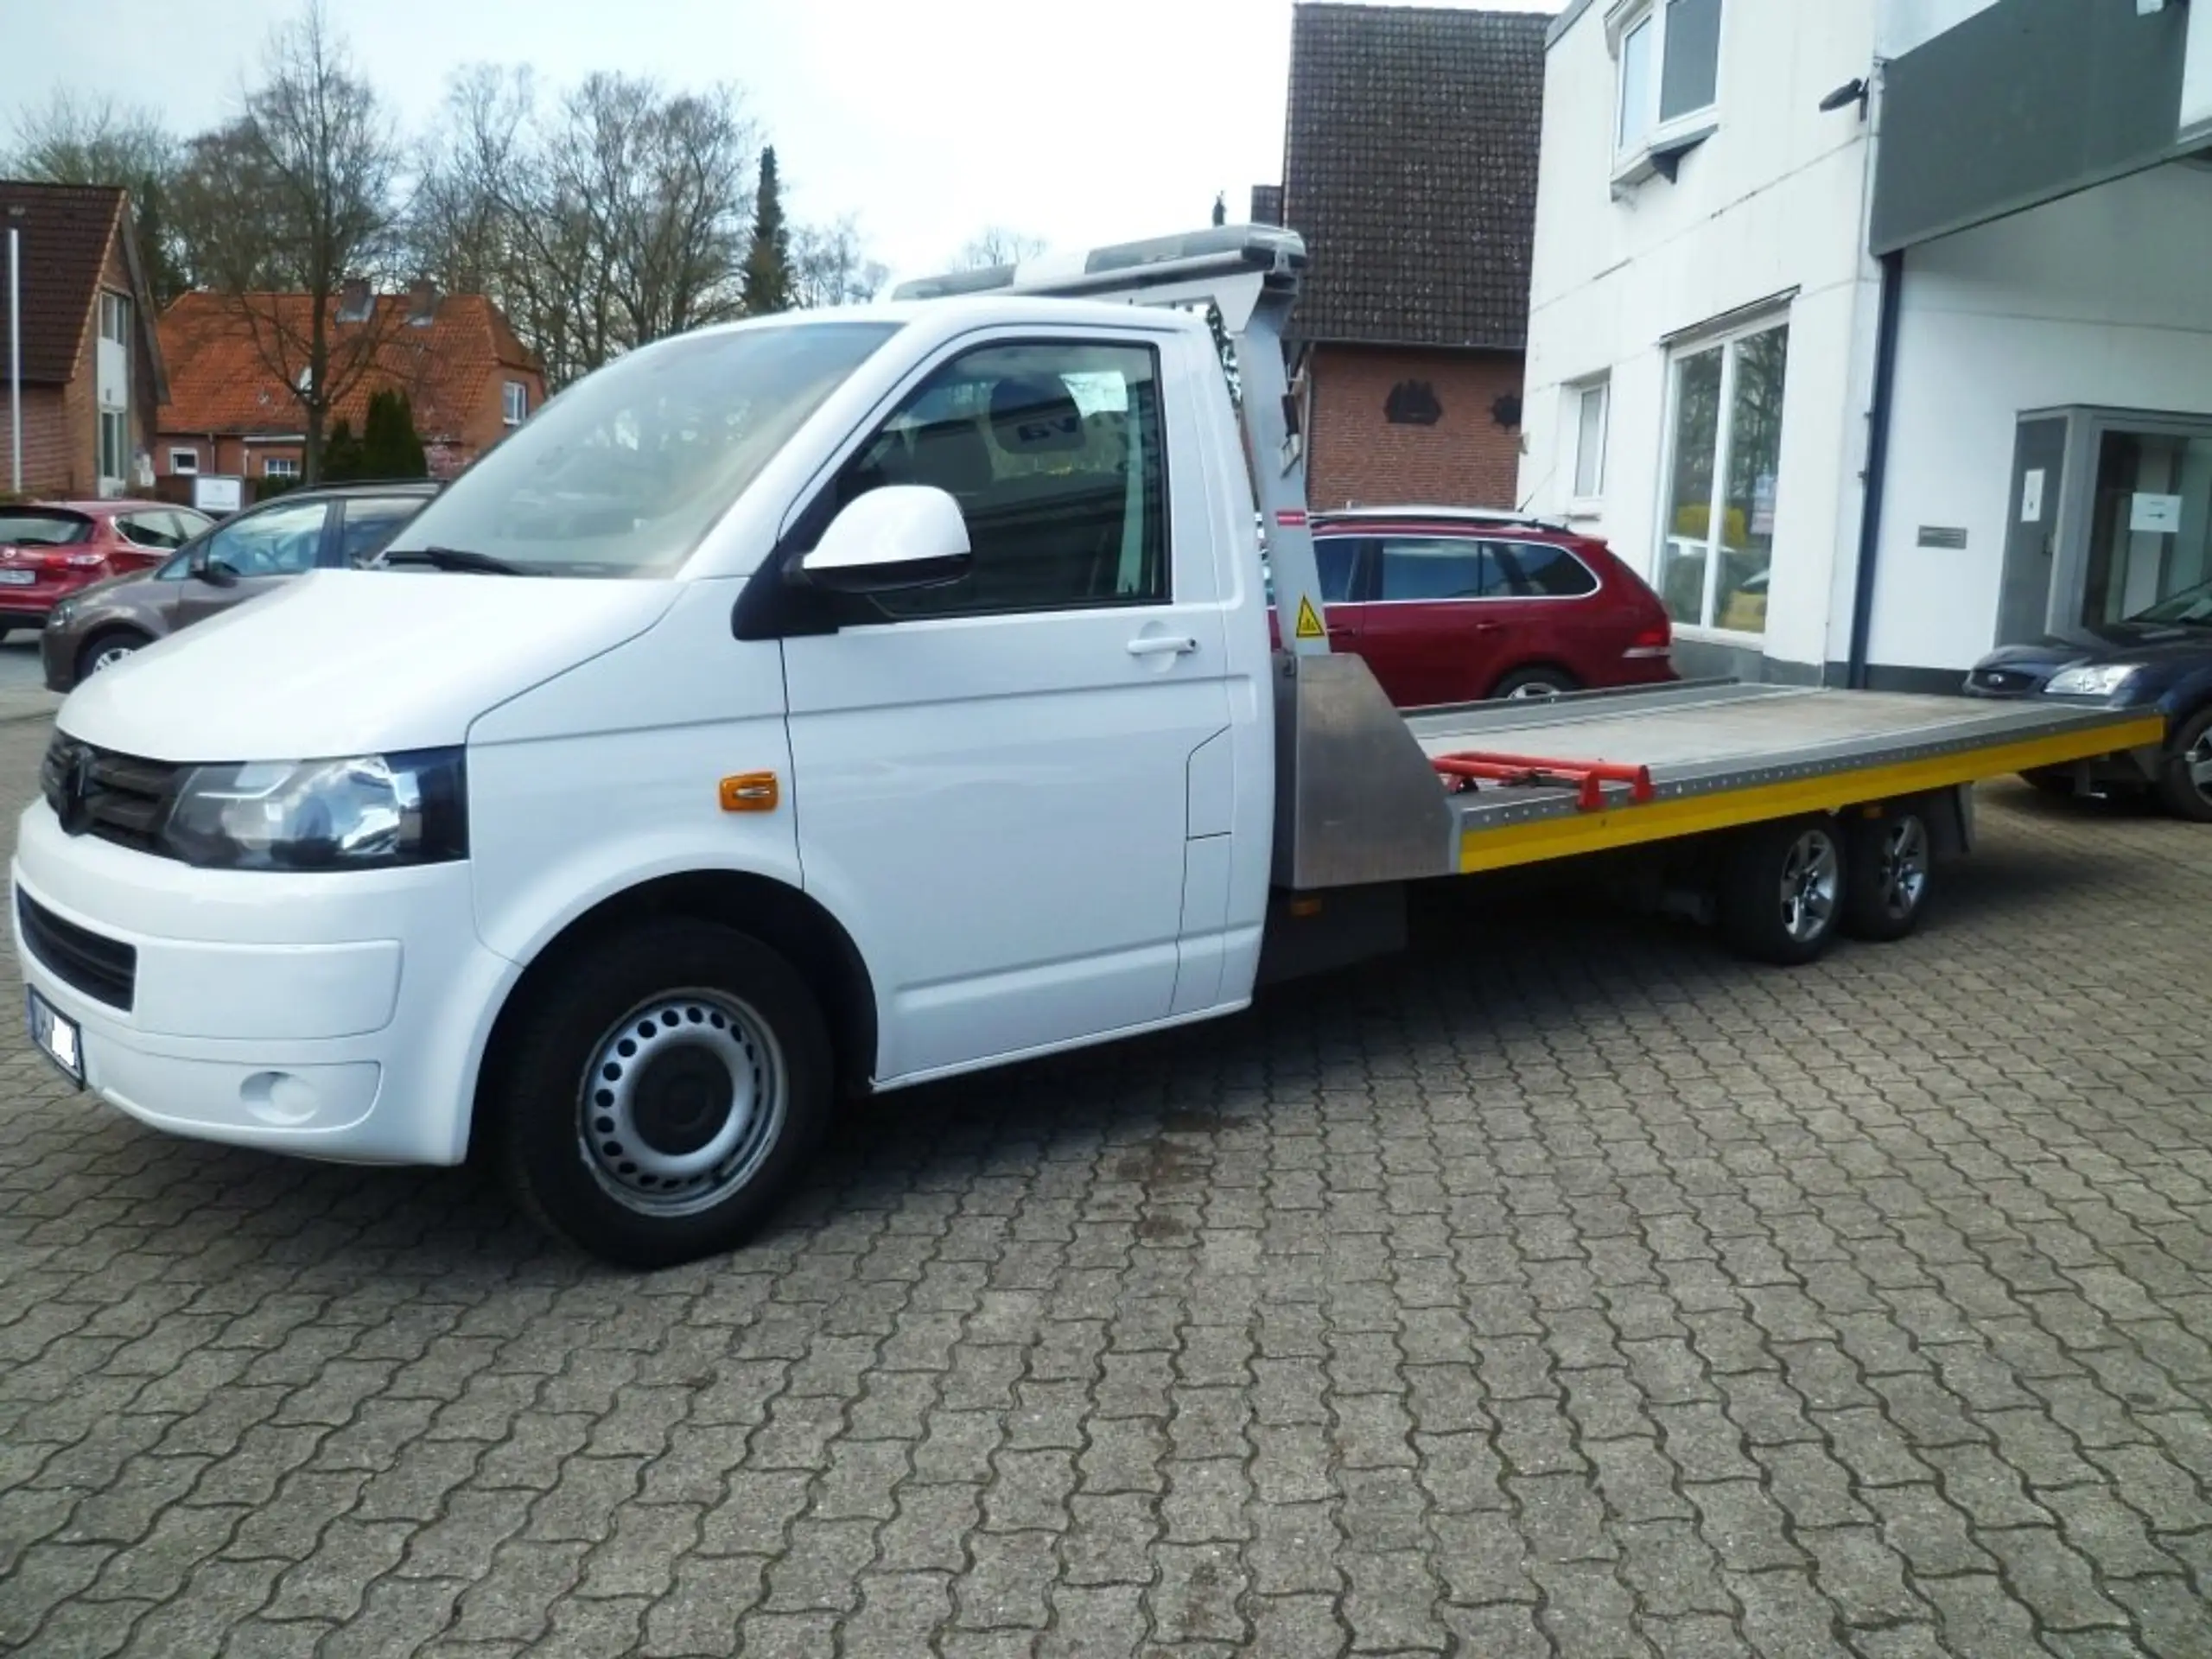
[(1628, 826)]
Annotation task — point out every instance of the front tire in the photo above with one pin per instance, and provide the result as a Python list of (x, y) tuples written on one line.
[(663, 1094), (2185, 780), (1782, 891), (1888, 874), (105, 651)]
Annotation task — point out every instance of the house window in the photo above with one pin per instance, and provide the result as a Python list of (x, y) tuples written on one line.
[(114, 443), (1668, 54), (184, 461), (115, 318), (1717, 542), (1588, 403), (517, 405), (279, 466)]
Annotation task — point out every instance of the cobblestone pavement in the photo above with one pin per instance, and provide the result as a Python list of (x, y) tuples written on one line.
[(1564, 1287)]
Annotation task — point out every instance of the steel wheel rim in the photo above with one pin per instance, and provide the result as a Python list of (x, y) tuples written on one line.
[(2197, 758), (1530, 690), (111, 657), (1811, 878), (681, 1103), (1901, 866)]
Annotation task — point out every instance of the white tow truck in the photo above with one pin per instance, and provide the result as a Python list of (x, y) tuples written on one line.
[(830, 703)]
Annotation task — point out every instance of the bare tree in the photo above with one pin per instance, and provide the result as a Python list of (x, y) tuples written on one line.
[(288, 204), (73, 140), (613, 215), (830, 266), (995, 244)]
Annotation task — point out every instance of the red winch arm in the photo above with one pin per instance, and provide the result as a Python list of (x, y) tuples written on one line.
[(1588, 778)]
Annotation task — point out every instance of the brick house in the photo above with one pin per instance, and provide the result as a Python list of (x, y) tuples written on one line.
[(231, 412), (1409, 166), (91, 364)]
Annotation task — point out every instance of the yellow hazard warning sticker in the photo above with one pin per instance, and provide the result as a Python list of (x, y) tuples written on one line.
[(1309, 625)]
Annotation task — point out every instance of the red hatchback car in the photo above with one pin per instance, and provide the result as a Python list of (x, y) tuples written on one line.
[(1454, 604), (49, 550)]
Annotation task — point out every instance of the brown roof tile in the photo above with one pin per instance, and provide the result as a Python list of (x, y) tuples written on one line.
[(65, 229), (1410, 167), (220, 381)]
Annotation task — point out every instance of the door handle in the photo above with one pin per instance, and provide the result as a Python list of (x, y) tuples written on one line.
[(1162, 645)]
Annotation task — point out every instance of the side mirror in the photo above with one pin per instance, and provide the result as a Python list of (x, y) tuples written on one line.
[(212, 571), (894, 537)]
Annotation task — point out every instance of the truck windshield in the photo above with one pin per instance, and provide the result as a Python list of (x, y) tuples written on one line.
[(623, 472)]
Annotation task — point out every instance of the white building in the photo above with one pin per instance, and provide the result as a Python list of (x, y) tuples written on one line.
[(1876, 331)]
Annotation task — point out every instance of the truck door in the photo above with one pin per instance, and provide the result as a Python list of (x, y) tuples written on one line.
[(991, 777)]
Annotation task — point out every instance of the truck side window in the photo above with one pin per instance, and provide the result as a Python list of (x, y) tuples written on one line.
[(1053, 453)]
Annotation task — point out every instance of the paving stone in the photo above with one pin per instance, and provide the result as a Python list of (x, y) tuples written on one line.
[(1586, 1293)]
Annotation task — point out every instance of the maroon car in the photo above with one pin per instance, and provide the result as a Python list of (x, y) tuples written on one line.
[(1454, 604), (53, 549)]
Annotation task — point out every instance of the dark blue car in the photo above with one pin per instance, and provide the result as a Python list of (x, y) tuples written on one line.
[(2159, 659)]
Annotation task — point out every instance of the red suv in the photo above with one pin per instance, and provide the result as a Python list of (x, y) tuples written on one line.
[(50, 551), (1453, 605)]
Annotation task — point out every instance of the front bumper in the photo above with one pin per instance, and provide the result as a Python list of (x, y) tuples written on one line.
[(335, 1016), (57, 659)]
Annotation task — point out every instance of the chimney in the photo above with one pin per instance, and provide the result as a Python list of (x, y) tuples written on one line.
[(1267, 204), (353, 300), (422, 302)]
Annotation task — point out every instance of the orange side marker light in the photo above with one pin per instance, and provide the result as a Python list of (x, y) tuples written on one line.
[(751, 792)]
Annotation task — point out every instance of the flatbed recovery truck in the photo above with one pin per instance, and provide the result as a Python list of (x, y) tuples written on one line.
[(831, 703)]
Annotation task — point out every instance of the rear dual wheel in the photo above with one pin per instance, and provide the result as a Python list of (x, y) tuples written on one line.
[(1787, 888)]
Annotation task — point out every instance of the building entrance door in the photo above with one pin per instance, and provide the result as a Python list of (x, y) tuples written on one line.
[(2150, 521)]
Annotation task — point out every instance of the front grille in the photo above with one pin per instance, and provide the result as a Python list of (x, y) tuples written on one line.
[(103, 968), (2009, 682), (115, 796)]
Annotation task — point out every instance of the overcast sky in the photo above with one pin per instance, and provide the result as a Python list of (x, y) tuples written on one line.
[(928, 120)]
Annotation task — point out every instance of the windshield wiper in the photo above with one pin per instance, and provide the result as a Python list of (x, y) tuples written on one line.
[(449, 558)]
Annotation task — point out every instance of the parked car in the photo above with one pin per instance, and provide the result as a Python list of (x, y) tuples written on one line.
[(1456, 604), (223, 565), (2158, 658), (51, 549)]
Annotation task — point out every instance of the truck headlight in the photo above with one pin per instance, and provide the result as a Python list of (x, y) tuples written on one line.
[(366, 813), (2093, 680)]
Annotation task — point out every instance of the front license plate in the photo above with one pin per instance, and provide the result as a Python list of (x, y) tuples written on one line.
[(56, 1036), (18, 578)]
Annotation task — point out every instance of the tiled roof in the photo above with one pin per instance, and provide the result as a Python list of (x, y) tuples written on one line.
[(65, 229), (218, 381), (1410, 168)]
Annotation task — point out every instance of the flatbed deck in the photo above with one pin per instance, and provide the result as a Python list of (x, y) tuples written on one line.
[(1723, 754), (1361, 799)]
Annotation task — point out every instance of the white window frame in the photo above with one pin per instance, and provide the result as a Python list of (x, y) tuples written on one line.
[(184, 461), (514, 403), (1581, 504), (1724, 438), (115, 308), (279, 466), (114, 422), (1635, 155)]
